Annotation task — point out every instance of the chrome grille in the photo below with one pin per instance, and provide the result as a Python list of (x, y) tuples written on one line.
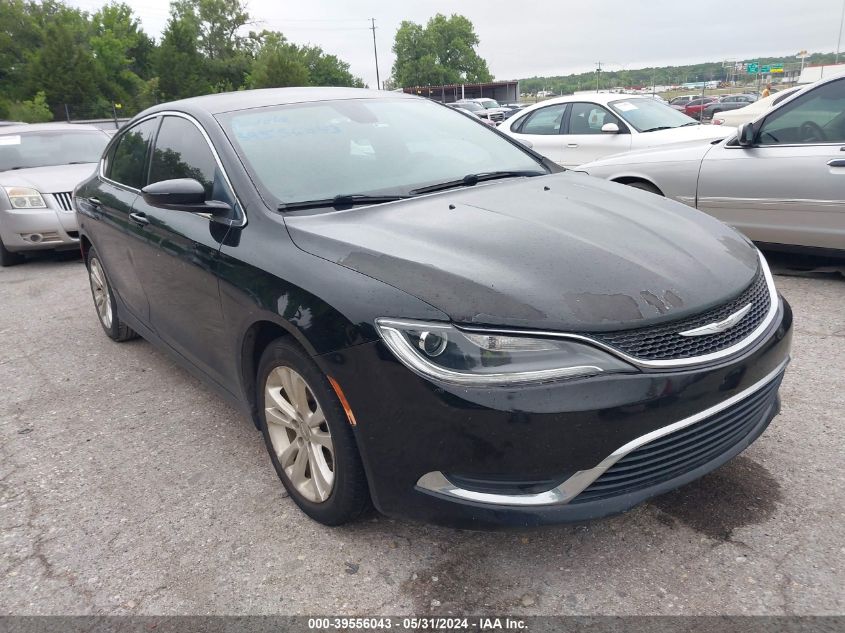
[(65, 200), (663, 342)]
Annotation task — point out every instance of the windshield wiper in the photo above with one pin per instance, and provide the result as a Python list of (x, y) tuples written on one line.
[(690, 123), (338, 202), (472, 179), (658, 128)]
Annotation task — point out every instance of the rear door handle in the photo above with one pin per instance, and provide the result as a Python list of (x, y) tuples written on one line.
[(139, 218), (836, 162), (95, 202), (572, 144)]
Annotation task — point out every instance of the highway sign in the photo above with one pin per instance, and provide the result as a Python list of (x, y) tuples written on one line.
[(777, 68), (752, 68)]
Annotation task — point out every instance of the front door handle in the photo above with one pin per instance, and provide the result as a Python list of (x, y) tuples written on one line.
[(836, 162), (139, 218), (573, 145), (95, 202)]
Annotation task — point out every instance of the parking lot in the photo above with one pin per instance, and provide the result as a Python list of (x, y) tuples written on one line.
[(127, 486)]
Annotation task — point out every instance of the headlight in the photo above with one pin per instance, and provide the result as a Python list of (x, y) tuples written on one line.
[(25, 198), (445, 353)]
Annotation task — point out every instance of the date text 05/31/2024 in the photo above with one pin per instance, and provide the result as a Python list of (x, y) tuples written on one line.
[(416, 624)]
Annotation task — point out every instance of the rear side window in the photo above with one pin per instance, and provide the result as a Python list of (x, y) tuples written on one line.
[(543, 121), (126, 162)]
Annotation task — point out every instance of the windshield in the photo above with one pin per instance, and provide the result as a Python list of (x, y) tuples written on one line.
[(311, 151), (46, 148), (490, 103), (472, 107), (647, 115)]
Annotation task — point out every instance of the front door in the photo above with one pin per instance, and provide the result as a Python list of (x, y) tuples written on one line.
[(584, 141), (178, 270), (789, 188)]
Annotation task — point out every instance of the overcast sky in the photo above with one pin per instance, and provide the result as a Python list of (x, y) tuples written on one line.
[(550, 37)]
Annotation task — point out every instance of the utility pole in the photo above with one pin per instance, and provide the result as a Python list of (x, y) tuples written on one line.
[(839, 40), (375, 52), (598, 72)]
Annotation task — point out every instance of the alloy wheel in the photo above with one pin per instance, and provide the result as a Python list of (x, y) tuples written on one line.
[(100, 289), (299, 434)]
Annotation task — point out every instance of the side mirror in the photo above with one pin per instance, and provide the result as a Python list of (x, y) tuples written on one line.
[(746, 134), (183, 194), (610, 128)]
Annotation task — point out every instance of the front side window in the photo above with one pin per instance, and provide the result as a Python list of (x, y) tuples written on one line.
[(816, 117), (25, 150), (544, 121), (126, 161), (385, 147), (181, 151), (588, 118)]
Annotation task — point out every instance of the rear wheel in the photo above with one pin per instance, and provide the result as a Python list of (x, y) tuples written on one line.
[(7, 257), (308, 436), (645, 186), (104, 301)]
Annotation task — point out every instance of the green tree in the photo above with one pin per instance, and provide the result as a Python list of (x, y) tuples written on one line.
[(442, 52), (178, 63), (277, 64), (327, 70), (33, 110)]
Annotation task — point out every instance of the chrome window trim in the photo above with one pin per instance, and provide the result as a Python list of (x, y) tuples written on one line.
[(437, 483), (670, 363), (182, 115)]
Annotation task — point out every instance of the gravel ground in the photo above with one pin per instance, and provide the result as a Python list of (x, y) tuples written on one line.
[(128, 487)]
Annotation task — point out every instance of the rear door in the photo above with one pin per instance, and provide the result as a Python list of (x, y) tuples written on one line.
[(584, 140), (179, 268), (110, 202), (790, 187), (542, 128)]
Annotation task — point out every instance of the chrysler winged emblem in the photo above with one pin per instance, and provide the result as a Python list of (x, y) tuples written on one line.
[(719, 326)]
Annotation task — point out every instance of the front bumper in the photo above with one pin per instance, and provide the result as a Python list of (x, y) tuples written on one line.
[(39, 229), (480, 458)]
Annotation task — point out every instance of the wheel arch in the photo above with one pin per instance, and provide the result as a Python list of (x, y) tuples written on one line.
[(627, 180)]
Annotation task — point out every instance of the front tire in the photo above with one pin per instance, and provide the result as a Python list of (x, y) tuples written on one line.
[(308, 436), (104, 301)]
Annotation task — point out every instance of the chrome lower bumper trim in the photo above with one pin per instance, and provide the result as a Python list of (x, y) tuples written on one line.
[(437, 483)]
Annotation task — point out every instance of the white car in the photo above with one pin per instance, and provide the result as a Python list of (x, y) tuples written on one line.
[(735, 118), (582, 128), (780, 179)]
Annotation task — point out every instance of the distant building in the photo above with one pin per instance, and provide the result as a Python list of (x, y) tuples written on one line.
[(814, 73), (501, 91)]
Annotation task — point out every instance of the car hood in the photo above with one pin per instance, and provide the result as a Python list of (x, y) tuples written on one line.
[(559, 252), (52, 179)]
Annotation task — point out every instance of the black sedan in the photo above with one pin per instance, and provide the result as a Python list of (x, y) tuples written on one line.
[(418, 312)]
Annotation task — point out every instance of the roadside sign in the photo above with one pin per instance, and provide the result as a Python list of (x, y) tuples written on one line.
[(777, 68), (765, 69), (752, 68)]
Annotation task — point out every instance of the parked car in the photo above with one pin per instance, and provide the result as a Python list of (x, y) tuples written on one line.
[(694, 108), (495, 112), (473, 109), (780, 180), (680, 102), (581, 128), (39, 166), (750, 112), (418, 310), (727, 103)]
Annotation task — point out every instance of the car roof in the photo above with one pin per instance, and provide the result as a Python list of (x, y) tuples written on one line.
[(602, 98), (244, 99), (46, 127)]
